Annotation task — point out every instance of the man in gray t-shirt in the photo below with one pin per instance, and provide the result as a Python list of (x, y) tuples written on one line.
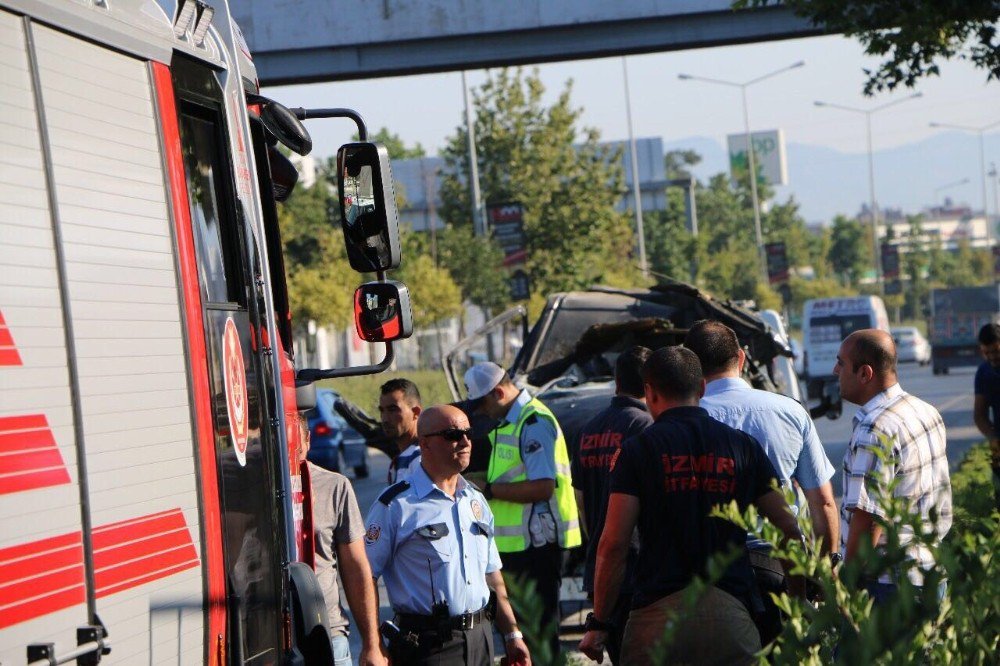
[(338, 529)]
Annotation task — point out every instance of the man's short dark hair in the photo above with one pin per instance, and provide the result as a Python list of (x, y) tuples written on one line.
[(628, 370), (989, 334), (871, 350), (408, 389), (673, 372), (715, 345)]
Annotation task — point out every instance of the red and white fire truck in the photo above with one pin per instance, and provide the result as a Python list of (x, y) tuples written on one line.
[(151, 500)]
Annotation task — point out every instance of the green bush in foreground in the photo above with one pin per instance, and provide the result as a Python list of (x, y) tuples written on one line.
[(844, 626), (916, 627)]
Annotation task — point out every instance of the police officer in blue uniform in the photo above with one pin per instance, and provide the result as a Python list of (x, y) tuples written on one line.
[(431, 538)]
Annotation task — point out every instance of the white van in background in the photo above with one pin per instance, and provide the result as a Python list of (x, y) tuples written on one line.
[(825, 324)]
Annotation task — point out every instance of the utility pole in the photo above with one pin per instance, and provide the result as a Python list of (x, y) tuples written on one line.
[(478, 212), (868, 113), (751, 161), (636, 193)]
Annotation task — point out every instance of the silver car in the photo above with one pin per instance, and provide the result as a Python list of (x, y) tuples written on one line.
[(911, 345)]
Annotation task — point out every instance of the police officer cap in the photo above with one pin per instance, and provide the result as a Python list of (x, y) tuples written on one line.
[(482, 378)]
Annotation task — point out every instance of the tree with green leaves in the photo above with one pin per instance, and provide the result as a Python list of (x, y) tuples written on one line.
[(670, 247), (434, 295), (321, 282), (476, 264), (912, 37), (848, 253), (539, 156)]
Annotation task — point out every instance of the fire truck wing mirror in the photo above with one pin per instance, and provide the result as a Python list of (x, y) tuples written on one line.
[(382, 311), (283, 124), (368, 207)]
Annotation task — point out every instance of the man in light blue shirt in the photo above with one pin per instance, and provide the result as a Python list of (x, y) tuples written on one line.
[(781, 425), (431, 538)]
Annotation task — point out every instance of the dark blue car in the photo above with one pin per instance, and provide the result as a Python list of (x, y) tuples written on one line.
[(331, 438)]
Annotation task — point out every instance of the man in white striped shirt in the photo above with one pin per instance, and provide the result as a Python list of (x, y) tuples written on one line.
[(912, 435)]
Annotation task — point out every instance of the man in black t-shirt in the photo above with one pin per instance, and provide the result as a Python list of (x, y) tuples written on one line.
[(666, 480), (599, 441)]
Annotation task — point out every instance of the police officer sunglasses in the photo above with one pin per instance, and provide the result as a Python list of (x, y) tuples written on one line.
[(452, 434)]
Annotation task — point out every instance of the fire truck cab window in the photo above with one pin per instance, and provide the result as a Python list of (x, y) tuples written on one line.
[(210, 184), (199, 144)]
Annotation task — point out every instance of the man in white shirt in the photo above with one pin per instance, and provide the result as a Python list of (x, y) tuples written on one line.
[(911, 435)]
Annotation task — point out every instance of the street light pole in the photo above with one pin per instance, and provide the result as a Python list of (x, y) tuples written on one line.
[(873, 203), (637, 194), (981, 131), (478, 212), (751, 160), (752, 165)]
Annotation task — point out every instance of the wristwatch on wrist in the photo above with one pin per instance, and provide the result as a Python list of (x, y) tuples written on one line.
[(512, 636), (836, 558), (488, 491), (593, 624)]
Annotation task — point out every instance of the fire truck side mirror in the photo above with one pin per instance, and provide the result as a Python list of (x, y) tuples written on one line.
[(368, 207), (382, 311), (283, 124)]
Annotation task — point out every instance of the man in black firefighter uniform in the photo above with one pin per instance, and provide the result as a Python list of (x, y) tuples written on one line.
[(598, 442)]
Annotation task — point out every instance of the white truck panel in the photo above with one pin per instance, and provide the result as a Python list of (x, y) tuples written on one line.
[(40, 499), (143, 498)]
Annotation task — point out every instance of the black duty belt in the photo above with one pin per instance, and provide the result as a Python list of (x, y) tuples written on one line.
[(417, 622)]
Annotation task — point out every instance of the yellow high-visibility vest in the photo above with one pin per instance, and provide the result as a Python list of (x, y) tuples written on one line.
[(507, 466)]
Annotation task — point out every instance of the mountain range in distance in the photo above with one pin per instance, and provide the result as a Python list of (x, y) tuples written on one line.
[(826, 182)]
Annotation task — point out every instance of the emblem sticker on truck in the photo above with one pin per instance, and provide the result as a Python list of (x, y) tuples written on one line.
[(236, 389)]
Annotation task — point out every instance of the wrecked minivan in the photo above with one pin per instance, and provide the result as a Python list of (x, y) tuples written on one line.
[(568, 357)]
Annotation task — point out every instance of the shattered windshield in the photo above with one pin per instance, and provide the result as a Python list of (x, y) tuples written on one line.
[(569, 324)]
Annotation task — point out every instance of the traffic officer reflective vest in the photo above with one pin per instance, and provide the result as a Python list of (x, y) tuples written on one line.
[(506, 466)]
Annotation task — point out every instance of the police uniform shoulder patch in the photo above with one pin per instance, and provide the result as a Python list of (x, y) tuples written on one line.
[(393, 491), (477, 509), (373, 533)]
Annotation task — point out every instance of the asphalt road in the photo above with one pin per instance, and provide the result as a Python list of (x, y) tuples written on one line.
[(951, 394)]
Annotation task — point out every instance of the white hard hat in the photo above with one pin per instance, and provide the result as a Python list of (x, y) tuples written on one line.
[(482, 378)]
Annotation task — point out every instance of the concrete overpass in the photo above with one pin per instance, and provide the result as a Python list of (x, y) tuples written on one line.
[(299, 41)]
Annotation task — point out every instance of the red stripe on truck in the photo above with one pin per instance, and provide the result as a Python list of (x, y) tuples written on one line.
[(40, 577), (29, 457), (134, 552), (8, 350), (45, 576)]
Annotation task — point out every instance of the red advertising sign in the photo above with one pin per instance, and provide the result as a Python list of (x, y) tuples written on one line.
[(777, 263), (507, 222)]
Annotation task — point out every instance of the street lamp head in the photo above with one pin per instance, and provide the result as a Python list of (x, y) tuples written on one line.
[(684, 77), (800, 63), (819, 103)]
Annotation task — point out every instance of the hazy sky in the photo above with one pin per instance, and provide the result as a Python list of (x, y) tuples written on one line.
[(427, 108)]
